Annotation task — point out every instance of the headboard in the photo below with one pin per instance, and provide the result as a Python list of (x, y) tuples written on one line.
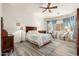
[(29, 28)]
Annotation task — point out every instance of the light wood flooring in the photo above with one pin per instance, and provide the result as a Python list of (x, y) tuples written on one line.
[(54, 48)]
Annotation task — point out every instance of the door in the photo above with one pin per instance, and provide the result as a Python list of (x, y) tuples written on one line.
[(78, 31)]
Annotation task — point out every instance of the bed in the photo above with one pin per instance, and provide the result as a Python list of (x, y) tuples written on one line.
[(39, 39)]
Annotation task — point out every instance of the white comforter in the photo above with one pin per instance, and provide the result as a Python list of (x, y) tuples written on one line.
[(38, 38)]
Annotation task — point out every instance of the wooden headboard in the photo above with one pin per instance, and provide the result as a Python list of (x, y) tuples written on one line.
[(29, 28)]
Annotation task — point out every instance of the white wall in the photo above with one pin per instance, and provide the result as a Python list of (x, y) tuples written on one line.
[(22, 13), (0, 26), (39, 22)]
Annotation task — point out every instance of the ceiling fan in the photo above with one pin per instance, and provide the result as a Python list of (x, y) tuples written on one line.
[(48, 8)]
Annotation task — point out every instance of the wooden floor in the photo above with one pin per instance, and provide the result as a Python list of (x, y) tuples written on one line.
[(54, 48)]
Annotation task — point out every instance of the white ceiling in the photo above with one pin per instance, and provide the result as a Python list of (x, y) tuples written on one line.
[(63, 8), (34, 8)]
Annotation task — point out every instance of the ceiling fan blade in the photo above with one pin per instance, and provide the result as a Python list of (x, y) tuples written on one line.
[(49, 10), (48, 4), (55, 7), (52, 7), (44, 10), (43, 7)]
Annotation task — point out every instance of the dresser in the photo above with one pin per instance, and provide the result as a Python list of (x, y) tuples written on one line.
[(7, 41)]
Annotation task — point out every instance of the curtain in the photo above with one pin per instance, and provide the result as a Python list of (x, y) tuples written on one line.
[(54, 24), (73, 24), (51, 25), (66, 22)]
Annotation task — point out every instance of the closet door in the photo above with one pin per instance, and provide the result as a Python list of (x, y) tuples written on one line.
[(78, 31)]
